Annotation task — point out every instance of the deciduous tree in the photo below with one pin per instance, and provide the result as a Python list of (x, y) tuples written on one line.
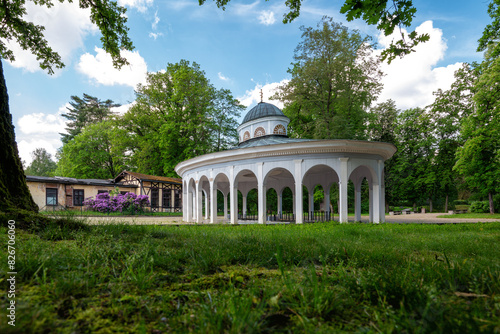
[(334, 80), (95, 153), (42, 164)]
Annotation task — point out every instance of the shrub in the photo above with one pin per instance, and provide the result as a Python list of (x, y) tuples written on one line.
[(128, 203), (480, 207)]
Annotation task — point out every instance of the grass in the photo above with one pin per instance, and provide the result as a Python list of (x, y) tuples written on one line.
[(472, 215), (312, 278)]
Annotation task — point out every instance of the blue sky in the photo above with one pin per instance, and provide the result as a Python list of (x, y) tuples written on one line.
[(244, 48)]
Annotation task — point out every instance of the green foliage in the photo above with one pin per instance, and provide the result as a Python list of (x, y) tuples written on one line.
[(95, 153), (178, 115), (83, 112), (334, 80), (107, 15), (478, 160), (324, 278), (480, 207), (42, 164), (491, 34)]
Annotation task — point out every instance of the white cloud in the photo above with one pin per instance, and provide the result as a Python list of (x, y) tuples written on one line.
[(39, 130), (252, 97), (411, 80), (100, 68), (123, 108), (140, 5), (156, 20), (155, 35), (222, 77), (267, 18), (66, 26)]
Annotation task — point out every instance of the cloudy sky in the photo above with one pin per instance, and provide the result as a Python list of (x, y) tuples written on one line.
[(244, 48)]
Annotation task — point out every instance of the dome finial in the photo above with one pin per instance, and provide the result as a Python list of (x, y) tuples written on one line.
[(261, 96)]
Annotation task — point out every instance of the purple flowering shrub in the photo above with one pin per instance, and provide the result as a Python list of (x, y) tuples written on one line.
[(127, 203)]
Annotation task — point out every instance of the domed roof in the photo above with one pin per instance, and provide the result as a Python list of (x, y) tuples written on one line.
[(262, 109)]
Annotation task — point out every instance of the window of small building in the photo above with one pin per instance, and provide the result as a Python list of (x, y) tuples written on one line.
[(51, 196), (102, 191), (78, 197), (124, 192), (155, 196), (167, 198), (178, 198)]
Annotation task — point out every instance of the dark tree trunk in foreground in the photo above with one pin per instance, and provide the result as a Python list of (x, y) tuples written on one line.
[(14, 193)]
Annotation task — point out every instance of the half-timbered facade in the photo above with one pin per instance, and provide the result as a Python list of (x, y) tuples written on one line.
[(51, 193)]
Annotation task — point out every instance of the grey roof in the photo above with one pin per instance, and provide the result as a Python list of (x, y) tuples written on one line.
[(269, 140), (70, 180), (262, 109)]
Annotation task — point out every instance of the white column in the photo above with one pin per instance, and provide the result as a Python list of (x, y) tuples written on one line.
[(344, 179), (377, 194), (184, 201), (213, 202), (189, 204), (225, 206), (199, 204), (244, 209), (299, 217), (207, 199), (234, 196), (370, 200), (382, 191), (357, 201), (261, 193)]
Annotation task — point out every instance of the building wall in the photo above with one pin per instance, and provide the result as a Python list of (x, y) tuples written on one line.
[(65, 192)]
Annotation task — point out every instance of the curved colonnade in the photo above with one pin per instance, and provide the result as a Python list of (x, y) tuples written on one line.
[(278, 166)]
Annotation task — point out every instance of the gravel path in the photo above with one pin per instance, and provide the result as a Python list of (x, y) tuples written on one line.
[(420, 218)]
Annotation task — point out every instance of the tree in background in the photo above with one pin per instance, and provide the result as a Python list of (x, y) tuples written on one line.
[(178, 115), (334, 80), (95, 153), (414, 179), (223, 120), (109, 18), (42, 164), (89, 110), (382, 122), (479, 158), (449, 110)]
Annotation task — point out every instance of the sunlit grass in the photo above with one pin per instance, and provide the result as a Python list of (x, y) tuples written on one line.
[(323, 277), (472, 215)]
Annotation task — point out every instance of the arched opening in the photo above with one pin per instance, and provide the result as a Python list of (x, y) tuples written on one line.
[(363, 196), (220, 198), (244, 182), (318, 181), (275, 181)]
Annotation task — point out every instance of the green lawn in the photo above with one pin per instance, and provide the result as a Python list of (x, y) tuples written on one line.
[(472, 215), (313, 278)]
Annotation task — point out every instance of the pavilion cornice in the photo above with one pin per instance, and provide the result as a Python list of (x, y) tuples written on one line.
[(384, 150)]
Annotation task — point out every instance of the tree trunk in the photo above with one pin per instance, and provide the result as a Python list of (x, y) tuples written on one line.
[(14, 193), (492, 206), (430, 205), (446, 204)]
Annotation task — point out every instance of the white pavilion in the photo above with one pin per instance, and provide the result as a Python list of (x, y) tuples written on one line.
[(266, 158)]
